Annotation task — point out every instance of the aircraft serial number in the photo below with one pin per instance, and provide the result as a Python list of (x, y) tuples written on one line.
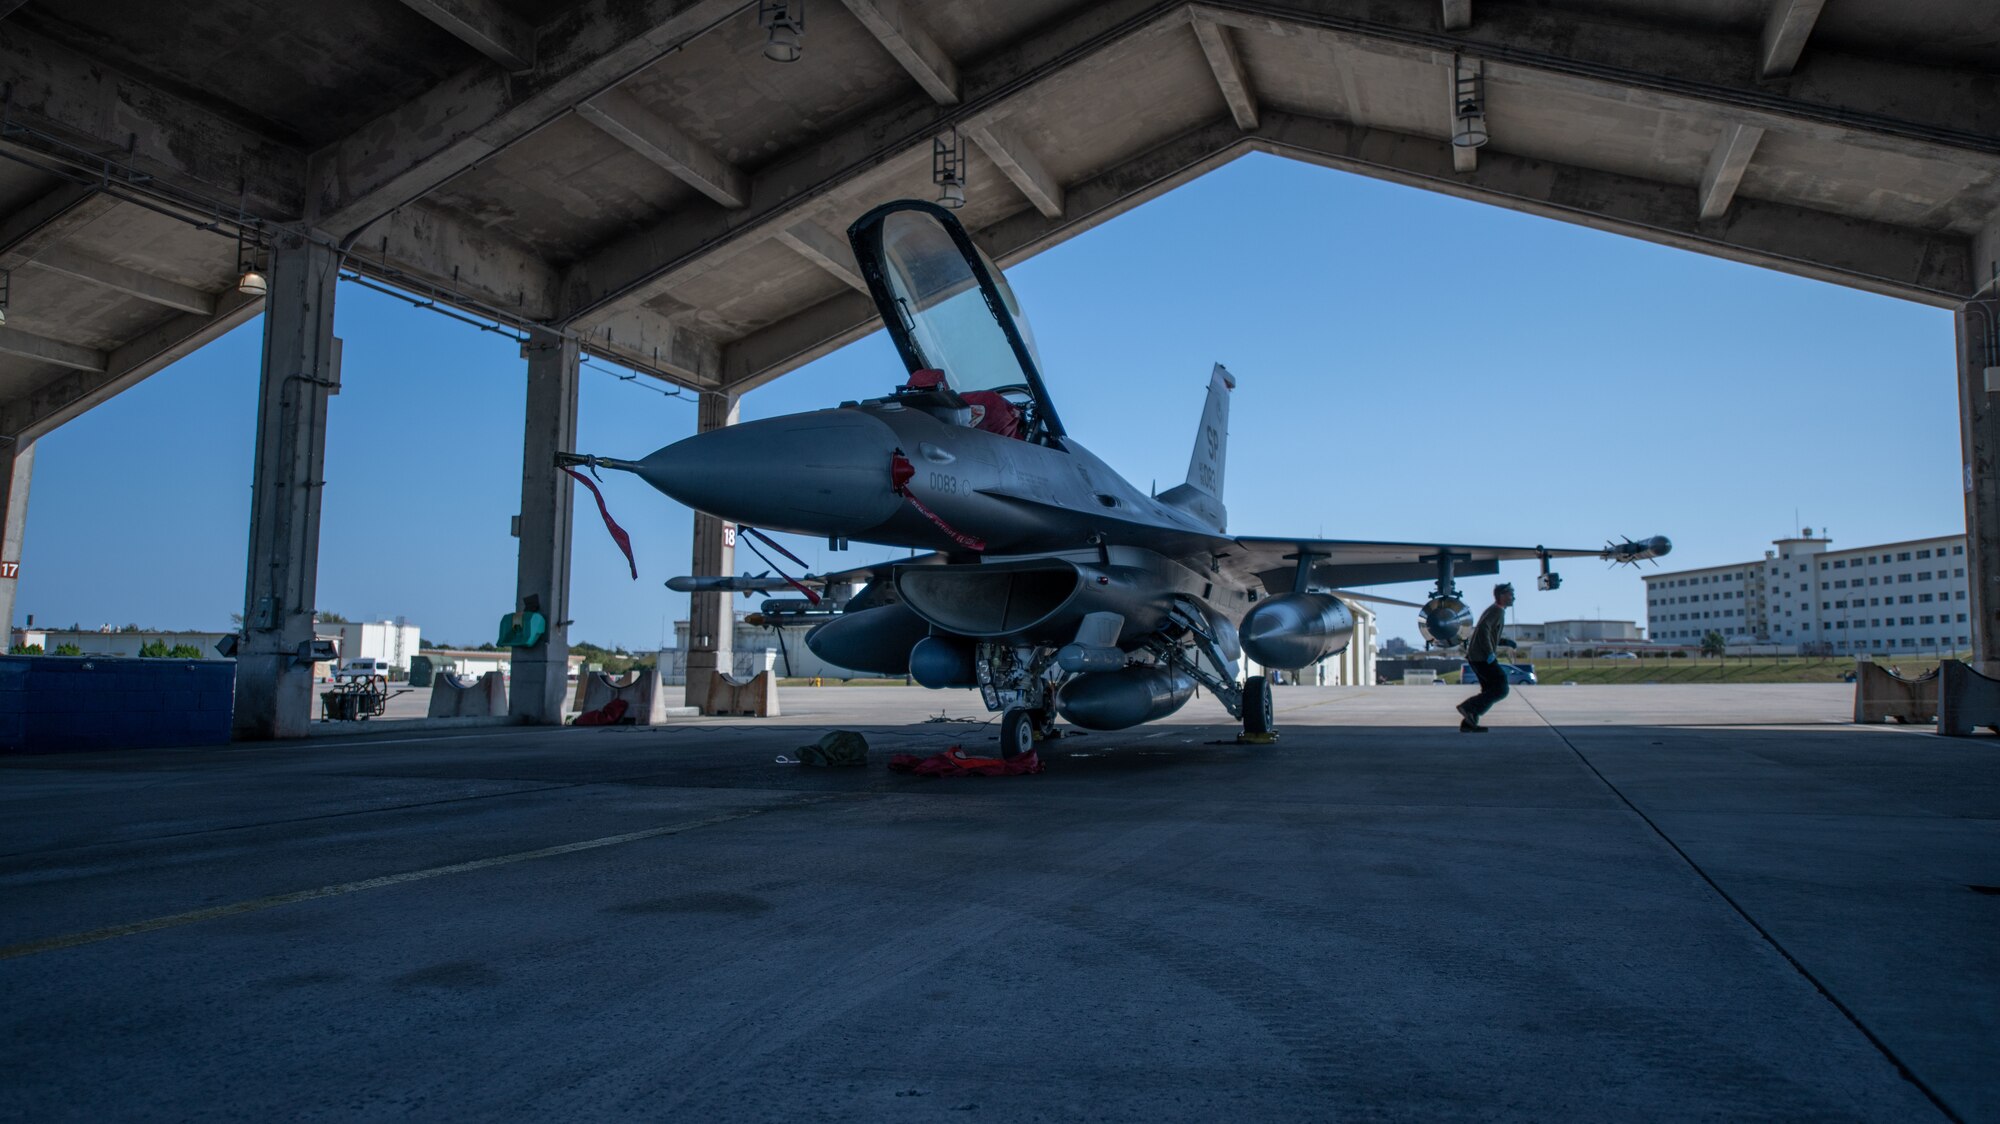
[(940, 482)]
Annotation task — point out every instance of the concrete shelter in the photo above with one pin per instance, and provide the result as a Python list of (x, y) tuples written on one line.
[(634, 179)]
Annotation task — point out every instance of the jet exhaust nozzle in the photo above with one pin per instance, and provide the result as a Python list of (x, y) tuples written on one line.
[(1295, 630), (880, 639), (944, 662), (1115, 700)]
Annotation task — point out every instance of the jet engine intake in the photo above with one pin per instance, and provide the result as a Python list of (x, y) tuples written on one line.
[(942, 662), (878, 639), (1114, 700), (1444, 621), (1041, 600), (1295, 630)]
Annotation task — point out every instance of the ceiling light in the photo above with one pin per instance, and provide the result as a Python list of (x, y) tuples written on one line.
[(252, 284), (948, 168), (783, 22), (1468, 105)]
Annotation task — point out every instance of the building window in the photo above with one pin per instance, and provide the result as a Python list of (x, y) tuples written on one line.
[(1902, 577), (1840, 564), (1926, 620), (1873, 581), (1958, 550), (1922, 597), (1822, 565), (1958, 573), (1903, 557), (1923, 554), (1923, 575), (1907, 621)]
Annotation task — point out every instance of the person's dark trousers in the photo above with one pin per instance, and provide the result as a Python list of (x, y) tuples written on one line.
[(1492, 688)]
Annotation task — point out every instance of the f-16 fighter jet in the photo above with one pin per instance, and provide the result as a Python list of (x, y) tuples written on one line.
[(1054, 587)]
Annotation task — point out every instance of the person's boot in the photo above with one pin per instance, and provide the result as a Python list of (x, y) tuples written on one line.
[(1470, 727)]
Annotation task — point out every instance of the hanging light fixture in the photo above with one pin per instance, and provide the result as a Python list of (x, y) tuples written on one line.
[(948, 168), (1468, 113), (783, 22), (251, 283)]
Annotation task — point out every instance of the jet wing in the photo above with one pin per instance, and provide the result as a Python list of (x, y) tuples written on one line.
[(875, 571), (1337, 563)]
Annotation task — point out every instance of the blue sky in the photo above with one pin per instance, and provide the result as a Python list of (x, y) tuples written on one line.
[(1410, 366)]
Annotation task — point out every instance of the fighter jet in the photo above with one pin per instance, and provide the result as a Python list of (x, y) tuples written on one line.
[(1052, 585)]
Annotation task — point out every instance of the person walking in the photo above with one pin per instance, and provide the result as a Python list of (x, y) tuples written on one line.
[(1483, 653)]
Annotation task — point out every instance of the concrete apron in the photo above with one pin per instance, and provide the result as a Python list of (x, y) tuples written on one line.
[(1610, 917)]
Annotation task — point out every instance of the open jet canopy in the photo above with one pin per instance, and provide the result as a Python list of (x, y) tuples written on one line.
[(948, 307)]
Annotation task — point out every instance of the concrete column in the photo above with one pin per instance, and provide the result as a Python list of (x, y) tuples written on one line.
[(711, 646), (1979, 431), (17, 468), (539, 693), (274, 688)]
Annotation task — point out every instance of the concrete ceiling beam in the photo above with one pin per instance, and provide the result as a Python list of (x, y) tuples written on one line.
[(631, 124), (1457, 15), (484, 26), (635, 268), (658, 345), (1726, 166), (814, 243), (1230, 75), (789, 344), (1011, 153), (59, 400), (48, 220), (27, 345), (1785, 32), (905, 38), (427, 250), (131, 282), (1929, 111), (581, 52), (74, 105), (1927, 267), (9, 7), (1986, 256)]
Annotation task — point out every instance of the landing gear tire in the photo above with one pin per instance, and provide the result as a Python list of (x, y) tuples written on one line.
[(1257, 716), (1017, 732)]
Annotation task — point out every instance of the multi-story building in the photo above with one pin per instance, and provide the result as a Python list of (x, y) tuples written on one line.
[(1903, 596)]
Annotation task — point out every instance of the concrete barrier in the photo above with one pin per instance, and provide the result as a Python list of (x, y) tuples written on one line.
[(1966, 699), (755, 699), (644, 692), (55, 704), (1880, 694), (461, 696)]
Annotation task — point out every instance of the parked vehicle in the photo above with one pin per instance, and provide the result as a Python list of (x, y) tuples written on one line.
[(362, 667), (1518, 674), (1620, 656)]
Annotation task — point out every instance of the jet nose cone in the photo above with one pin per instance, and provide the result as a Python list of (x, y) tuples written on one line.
[(823, 473)]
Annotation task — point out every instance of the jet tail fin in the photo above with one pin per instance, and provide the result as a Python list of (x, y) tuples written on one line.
[(1202, 494)]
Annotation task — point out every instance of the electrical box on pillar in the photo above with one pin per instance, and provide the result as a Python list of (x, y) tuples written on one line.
[(522, 630)]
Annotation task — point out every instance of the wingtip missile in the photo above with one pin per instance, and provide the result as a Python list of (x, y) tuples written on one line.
[(1636, 552)]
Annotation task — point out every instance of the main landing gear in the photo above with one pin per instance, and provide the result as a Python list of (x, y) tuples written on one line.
[(1257, 713)]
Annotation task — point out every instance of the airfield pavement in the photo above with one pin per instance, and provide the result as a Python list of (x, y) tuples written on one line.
[(1624, 903)]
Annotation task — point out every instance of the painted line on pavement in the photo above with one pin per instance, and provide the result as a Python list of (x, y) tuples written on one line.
[(52, 944)]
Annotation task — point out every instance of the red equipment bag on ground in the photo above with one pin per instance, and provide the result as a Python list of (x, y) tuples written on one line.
[(606, 715)]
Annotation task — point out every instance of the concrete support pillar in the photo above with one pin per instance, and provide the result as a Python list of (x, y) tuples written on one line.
[(274, 687), (711, 618), (17, 468), (540, 691), (1979, 430)]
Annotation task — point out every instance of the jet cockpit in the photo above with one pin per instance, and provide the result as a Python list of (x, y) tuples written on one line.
[(955, 322)]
